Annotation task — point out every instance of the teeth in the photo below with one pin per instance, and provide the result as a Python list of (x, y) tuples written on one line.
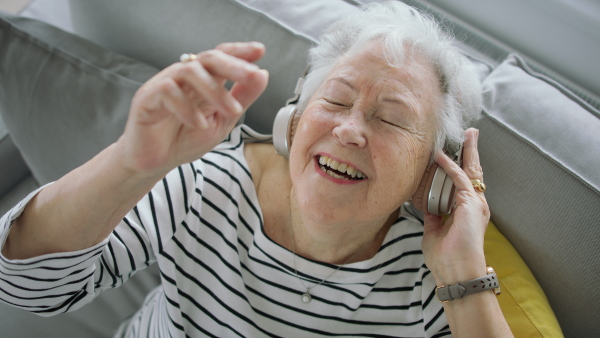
[(342, 167), (334, 175), (351, 171)]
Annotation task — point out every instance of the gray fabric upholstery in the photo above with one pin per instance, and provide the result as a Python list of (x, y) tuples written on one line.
[(539, 148), (84, 116), (13, 169), (198, 26), (18, 192)]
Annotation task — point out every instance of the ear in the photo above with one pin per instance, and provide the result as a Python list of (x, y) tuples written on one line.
[(419, 199), (293, 126)]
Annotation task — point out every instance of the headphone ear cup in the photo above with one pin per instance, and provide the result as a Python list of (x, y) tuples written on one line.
[(419, 199), (436, 189), (284, 128), (435, 193), (447, 196)]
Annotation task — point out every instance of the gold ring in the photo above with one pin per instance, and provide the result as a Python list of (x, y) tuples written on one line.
[(477, 184), (186, 57)]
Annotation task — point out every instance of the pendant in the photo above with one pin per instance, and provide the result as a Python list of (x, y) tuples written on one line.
[(306, 297)]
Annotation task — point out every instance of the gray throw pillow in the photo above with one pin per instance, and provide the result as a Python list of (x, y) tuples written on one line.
[(63, 98)]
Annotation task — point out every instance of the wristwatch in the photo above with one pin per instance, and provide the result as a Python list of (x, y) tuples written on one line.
[(446, 293)]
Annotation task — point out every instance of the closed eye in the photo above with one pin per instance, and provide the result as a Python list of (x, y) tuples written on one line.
[(339, 104), (388, 122), (395, 124)]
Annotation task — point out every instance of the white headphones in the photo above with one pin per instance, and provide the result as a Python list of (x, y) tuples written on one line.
[(435, 192), (285, 123)]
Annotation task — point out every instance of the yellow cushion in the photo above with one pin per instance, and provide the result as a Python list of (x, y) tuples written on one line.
[(522, 300)]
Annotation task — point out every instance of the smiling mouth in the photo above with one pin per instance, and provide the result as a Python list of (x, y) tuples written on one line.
[(339, 170)]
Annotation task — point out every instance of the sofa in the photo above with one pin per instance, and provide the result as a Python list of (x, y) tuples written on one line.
[(68, 70)]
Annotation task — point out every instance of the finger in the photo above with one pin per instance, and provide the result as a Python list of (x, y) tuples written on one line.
[(461, 181), (471, 164), (249, 51), (247, 92), (168, 95), (179, 105), (456, 173), (223, 65), (208, 88)]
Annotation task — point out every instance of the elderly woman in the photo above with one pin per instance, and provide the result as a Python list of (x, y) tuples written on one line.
[(250, 243)]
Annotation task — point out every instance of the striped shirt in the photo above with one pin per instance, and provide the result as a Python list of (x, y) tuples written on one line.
[(222, 276)]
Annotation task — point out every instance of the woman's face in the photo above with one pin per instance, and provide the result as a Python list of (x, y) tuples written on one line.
[(377, 122)]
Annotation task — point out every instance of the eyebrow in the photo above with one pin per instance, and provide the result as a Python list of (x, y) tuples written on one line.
[(394, 100), (399, 101), (344, 81)]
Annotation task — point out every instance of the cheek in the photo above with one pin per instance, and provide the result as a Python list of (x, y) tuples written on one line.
[(312, 125), (405, 167), (308, 132)]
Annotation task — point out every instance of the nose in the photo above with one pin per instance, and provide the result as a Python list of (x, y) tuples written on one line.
[(350, 130)]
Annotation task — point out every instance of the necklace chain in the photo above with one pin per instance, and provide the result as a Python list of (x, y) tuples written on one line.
[(306, 296)]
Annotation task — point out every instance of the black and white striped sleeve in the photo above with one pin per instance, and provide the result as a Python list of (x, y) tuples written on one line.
[(56, 283), (44, 285)]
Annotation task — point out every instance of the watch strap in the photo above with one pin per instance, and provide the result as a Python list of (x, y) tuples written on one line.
[(446, 293)]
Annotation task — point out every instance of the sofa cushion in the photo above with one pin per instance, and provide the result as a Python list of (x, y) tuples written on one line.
[(13, 169), (522, 301), (62, 98), (129, 28), (539, 146)]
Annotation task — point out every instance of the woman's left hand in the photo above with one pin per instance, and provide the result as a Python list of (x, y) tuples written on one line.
[(453, 248)]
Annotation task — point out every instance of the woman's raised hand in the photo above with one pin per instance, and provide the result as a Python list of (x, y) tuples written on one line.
[(185, 110)]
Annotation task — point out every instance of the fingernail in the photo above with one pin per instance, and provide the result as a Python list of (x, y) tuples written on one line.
[(238, 107), (251, 67), (201, 122)]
